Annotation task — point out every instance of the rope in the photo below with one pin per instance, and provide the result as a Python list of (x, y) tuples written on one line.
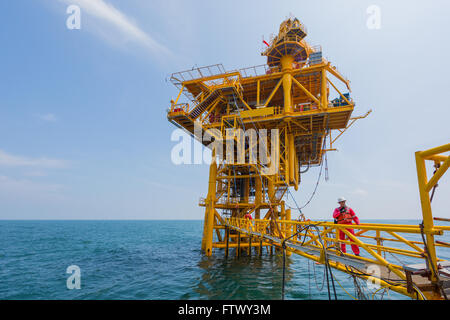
[(373, 295), (315, 278), (401, 262), (344, 289), (436, 167), (358, 290), (327, 265), (315, 189)]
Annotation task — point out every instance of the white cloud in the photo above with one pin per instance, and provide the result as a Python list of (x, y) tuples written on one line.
[(50, 117), (10, 160), (106, 12)]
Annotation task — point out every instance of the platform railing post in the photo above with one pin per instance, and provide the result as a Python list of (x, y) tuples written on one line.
[(238, 249), (288, 228), (426, 212), (228, 241), (378, 242)]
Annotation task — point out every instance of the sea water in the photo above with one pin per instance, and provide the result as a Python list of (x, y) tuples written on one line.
[(153, 260)]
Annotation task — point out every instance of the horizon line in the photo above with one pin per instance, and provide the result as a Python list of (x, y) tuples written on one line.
[(170, 219)]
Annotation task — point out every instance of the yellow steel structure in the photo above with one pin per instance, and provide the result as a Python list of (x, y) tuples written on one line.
[(282, 111)]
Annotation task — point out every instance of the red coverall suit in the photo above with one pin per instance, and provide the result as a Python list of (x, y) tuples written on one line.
[(346, 218)]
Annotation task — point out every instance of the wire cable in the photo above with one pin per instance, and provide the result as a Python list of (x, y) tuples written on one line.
[(344, 289), (439, 282)]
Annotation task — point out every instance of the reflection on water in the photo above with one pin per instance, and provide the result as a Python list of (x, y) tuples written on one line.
[(246, 277)]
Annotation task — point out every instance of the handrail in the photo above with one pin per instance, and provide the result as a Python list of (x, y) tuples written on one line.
[(196, 73), (179, 107), (289, 227)]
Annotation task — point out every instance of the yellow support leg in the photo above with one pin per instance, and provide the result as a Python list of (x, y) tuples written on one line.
[(209, 212)]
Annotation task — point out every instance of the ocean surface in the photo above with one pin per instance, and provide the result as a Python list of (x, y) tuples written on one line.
[(152, 260)]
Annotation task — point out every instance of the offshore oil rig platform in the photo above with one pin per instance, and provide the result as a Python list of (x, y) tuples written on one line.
[(268, 124)]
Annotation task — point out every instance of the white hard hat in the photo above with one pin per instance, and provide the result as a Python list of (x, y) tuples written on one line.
[(341, 199)]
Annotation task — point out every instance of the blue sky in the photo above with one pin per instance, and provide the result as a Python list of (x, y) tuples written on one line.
[(82, 112)]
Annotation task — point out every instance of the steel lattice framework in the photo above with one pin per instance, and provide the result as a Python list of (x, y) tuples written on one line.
[(274, 121)]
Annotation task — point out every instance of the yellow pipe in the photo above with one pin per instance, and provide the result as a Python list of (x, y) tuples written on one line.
[(378, 238), (439, 173), (426, 209), (242, 244), (283, 217), (209, 212), (258, 91), (287, 229), (412, 245), (271, 190), (286, 158), (323, 91), (291, 158), (246, 189), (335, 88), (179, 94), (286, 65), (258, 196), (306, 91), (273, 92), (335, 73), (435, 230), (434, 151), (381, 248), (394, 268), (297, 173), (437, 158), (374, 254)]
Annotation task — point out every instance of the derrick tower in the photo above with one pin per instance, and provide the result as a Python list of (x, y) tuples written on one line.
[(265, 125)]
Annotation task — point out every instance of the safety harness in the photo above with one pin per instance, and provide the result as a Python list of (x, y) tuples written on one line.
[(345, 217)]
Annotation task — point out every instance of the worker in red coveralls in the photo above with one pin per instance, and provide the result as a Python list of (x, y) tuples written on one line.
[(345, 215), (248, 217)]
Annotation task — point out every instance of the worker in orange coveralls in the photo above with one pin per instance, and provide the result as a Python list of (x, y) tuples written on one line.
[(345, 215)]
